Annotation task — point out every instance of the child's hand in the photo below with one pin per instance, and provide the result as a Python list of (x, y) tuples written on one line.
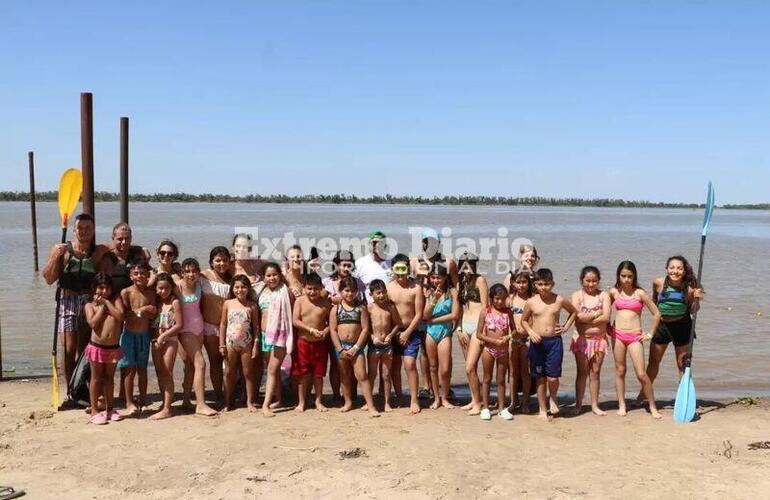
[(502, 342), (254, 351), (645, 336), (223, 350), (558, 330), (149, 309), (464, 339), (534, 337), (403, 338), (698, 293)]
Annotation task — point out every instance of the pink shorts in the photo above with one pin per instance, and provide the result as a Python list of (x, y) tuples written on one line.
[(628, 337), (497, 352), (589, 345), (209, 330), (103, 353)]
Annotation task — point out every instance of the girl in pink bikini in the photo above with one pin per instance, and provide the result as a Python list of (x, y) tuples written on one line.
[(629, 299), (496, 326), (590, 343)]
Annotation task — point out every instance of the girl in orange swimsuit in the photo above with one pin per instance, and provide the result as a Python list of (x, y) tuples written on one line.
[(590, 343)]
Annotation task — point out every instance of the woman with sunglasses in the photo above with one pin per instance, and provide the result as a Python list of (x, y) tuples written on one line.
[(167, 253)]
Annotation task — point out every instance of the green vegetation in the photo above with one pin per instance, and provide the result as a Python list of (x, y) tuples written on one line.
[(375, 200)]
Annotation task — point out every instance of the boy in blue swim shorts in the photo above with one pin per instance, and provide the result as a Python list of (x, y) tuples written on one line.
[(409, 300), (139, 302), (542, 322)]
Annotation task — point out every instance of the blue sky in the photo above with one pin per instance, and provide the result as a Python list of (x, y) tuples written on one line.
[(639, 100)]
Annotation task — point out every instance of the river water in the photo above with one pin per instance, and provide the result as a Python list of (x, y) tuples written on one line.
[(733, 344)]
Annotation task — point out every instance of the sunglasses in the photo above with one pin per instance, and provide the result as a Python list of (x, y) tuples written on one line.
[(165, 253)]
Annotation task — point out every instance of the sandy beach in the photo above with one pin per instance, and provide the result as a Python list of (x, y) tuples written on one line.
[(437, 454)]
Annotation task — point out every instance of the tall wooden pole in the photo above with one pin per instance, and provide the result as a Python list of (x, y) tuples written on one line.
[(124, 169), (87, 151), (31, 157)]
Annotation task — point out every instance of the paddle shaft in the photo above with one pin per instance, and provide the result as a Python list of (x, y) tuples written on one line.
[(58, 301), (688, 357)]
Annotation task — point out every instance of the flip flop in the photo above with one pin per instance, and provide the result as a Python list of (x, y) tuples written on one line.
[(6, 493)]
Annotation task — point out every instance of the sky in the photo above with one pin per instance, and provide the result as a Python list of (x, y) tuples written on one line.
[(643, 100)]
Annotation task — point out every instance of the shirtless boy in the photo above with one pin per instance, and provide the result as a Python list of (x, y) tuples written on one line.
[(311, 322), (408, 298), (385, 326), (135, 340), (541, 320)]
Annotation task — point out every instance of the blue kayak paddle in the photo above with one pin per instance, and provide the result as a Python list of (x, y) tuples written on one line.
[(684, 406)]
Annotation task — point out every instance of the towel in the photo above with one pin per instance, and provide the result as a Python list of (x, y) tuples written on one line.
[(279, 331)]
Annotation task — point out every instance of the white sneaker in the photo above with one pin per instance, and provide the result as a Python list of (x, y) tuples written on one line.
[(505, 414), (486, 414)]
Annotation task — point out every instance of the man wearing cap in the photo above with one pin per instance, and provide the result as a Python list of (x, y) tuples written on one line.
[(431, 255), (374, 265), (420, 266)]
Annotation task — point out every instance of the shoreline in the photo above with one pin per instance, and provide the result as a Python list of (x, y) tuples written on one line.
[(386, 199), (437, 454)]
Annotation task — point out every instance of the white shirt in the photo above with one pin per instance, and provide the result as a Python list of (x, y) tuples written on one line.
[(368, 270)]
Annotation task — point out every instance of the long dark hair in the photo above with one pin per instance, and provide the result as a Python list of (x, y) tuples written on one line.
[(527, 275), (627, 264), (688, 280), (244, 280)]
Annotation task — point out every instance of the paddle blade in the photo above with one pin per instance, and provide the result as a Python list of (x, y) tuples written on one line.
[(70, 187), (54, 384), (709, 209), (684, 406)]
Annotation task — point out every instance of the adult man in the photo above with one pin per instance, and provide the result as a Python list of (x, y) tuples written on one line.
[(74, 265), (374, 265), (120, 257), (116, 263)]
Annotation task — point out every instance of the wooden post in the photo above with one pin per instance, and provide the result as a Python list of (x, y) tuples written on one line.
[(87, 151), (31, 157), (124, 169)]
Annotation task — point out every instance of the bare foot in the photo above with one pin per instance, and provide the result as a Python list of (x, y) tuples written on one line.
[(299, 408), (543, 415), (414, 408), (226, 408), (622, 411), (388, 408), (468, 406), (554, 408), (266, 412), (365, 407), (252, 408), (598, 411), (435, 404), (132, 410), (374, 413), (346, 407), (205, 410), (446, 404), (275, 404), (655, 414), (163, 413), (474, 410), (319, 406)]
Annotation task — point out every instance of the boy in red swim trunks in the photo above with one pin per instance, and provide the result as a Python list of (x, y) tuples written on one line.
[(311, 322)]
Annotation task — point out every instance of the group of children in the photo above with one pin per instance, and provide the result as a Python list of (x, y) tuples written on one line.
[(291, 325)]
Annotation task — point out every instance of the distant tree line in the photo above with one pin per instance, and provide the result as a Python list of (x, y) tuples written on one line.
[(386, 199)]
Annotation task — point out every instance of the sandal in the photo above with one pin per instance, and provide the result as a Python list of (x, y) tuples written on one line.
[(99, 419)]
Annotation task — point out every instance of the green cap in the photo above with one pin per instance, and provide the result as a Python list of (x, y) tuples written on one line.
[(376, 235)]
